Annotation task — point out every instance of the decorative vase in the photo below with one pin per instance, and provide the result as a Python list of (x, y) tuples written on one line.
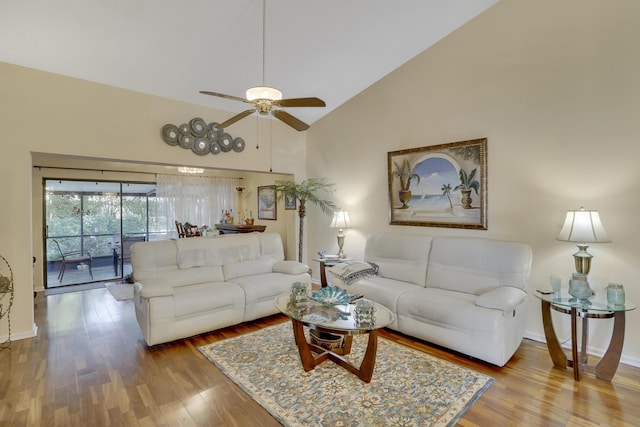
[(580, 289), (465, 199), (405, 198)]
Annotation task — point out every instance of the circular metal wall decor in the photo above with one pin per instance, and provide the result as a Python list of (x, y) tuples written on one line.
[(198, 126), (202, 138), (201, 146), (185, 129), (226, 142), (215, 148), (186, 141), (170, 134), (238, 144), (213, 135)]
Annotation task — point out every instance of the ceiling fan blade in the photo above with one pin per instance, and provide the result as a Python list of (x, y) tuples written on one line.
[(222, 95), (287, 118), (301, 102), (236, 118)]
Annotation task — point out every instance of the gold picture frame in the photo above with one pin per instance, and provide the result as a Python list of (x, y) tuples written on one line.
[(440, 185)]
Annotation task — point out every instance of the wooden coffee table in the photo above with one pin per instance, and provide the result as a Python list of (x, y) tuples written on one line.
[(338, 320)]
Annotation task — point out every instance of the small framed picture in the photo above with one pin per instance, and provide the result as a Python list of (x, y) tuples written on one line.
[(267, 207), (289, 203)]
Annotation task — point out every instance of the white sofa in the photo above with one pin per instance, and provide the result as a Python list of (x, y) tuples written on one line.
[(184, 287), (465, 294)]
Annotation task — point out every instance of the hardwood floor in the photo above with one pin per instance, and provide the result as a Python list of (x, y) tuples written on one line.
[(89, 366)]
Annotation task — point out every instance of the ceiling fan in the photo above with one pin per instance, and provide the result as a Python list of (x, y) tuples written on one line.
[(268, 100)]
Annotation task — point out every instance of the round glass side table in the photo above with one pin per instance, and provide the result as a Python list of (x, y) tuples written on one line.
[(593, 308)]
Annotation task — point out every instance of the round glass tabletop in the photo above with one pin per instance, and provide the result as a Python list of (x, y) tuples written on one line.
[(338, 318), (595, 303)]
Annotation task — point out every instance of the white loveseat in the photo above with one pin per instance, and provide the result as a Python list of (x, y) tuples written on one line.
[(465, 294), (185, 287)]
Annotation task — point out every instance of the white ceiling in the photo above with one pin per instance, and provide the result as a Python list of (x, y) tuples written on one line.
[(332, 49)]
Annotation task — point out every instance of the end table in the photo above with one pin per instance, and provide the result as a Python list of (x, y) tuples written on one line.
[(585, 309), (330, 262)]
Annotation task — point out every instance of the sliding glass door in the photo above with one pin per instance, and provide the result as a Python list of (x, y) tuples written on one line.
[(89, 227)]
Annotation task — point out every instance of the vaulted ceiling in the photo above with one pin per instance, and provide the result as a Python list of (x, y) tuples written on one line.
[(332, 49)]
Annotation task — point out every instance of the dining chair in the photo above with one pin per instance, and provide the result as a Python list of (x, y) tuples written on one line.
[(191, 230), (180, 229)]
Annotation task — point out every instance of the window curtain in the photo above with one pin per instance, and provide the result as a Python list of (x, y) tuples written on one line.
[(194, 199)]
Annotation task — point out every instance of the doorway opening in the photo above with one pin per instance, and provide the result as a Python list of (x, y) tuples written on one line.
[(90, 227)]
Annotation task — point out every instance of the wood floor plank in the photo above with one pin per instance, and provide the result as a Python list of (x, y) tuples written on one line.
[(90, 366)]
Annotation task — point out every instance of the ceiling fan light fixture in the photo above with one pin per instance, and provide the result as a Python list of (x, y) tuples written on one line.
[(263, 92), (186, 169)]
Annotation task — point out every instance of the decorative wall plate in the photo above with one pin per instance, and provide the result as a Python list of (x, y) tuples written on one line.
[(212, 135), (186, 141), (198, 126), (226, 142), (185, 129), (215, 148), (201, 146), (170, 134), (238, 144)]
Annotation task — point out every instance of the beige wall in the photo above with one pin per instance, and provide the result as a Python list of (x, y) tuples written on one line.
[(46, 113), (554, 87)]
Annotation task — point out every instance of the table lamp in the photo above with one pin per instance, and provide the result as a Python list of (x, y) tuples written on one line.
[(583, 227), (340, 220)]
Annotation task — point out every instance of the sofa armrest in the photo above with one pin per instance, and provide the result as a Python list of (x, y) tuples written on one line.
[(159, 288), (505, 298), (290, 267)]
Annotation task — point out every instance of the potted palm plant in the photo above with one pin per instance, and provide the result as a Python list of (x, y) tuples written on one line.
[(308, 190), (405, 174), (467, 183)]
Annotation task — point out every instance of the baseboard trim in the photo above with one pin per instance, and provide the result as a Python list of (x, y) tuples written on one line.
[(565, 343), (21, 335)]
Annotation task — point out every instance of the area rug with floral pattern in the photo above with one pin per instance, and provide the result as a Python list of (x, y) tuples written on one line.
[(409, 388)]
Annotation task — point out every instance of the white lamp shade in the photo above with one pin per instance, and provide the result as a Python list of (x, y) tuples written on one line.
[(340, 220), (583, 227)]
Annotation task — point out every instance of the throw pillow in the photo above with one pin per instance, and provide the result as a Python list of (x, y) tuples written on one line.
[(350, 271)]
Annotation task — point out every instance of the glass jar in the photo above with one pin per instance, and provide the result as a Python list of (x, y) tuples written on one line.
[(615, 294), (298, 296)]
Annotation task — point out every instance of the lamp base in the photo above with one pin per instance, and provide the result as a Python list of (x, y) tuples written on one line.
[(341, 254), (582, 260)]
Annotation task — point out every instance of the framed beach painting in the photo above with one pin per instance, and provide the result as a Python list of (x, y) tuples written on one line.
[(267, 207), (440, 185)]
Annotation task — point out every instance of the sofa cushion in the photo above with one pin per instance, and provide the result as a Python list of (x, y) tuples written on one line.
[(350, 271), (215, 251), (400, 257), (260, 291), (290, 267), (475, 265), (379, 289), (451, 309), (247, 268), (204, 297), (505, 298)]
